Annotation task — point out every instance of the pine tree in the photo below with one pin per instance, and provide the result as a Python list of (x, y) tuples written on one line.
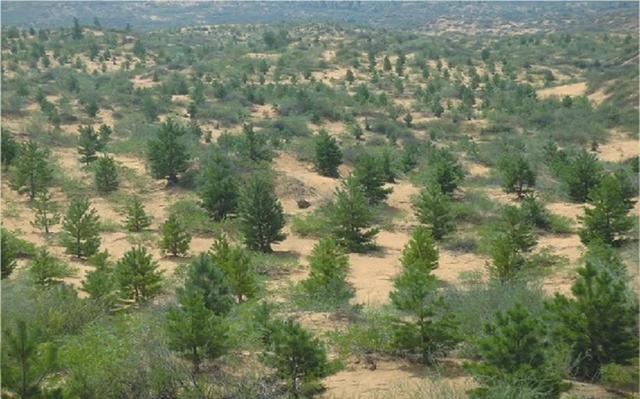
[(433, 209), (349, 78), (195, 331), (209, 278), (581, 174), (386, 163), (603, 255), (76, 33), (445, 170), (517, 228), (420, 252), (408, 119), (175, 239), (33, 170), (106, 175), (88, 144), (104, 136), (513, 350), (166, 155), (27, 360), (328, 270), (608, 220), (81, 229), (506, 260), (237, 266), (9, 148), (370, 175), (217, 187), (600, 322), (100, 283), (137, 275), (517, 175), (327, 154), (45, 270), (45, 214), (429, 329), (261, 214), (298, 357), (8, 254), (356, 131), (136, 219), (352, 217), (91, 107), (386, 64), (253, 145)]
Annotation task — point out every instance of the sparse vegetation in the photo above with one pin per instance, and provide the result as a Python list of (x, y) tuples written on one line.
[(240, 201)]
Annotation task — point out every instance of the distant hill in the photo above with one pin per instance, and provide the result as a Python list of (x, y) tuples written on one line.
[(477, 16)]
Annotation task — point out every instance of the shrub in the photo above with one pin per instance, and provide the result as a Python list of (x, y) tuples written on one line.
[(514, 350)]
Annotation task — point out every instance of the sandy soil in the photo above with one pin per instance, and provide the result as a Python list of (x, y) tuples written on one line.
[(618, 148), (572, 90)]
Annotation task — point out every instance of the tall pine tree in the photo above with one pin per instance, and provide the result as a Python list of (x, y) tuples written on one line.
[(167, 155), (261, 214), (33, 170), (352, 217), (81, 229)]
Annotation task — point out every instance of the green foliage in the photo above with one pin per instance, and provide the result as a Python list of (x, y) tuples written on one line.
[(370, 175), (261, 214), (9, 148), (106, 175), (136, 219), (195, 331), (352, 217), (328, 270), (8, 253), (254, 145), (26, 360), (580, 175), (434, 210), (33, 170), (445, 170), (81, 229), (104, 136), (512, 238), (506, 260), (517, 175), (420, 252), (137, 275), (100, 283), (166, 155), (237, 266), (327, 154), (207, 277), (429, 329), (88, 144), (45, 270), (91, 108), (217, 186), (45, 214), (517, 228), (175, 239), (514, 350), (607, 220), (298, 357), (599, 324)]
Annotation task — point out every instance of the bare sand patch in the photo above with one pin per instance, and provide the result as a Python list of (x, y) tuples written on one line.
[(567, 245), (618, 148), (321, 188), (566, 209), (387, 378), (571, 90)]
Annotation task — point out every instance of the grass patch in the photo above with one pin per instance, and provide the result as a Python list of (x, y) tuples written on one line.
[(372, 332)]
